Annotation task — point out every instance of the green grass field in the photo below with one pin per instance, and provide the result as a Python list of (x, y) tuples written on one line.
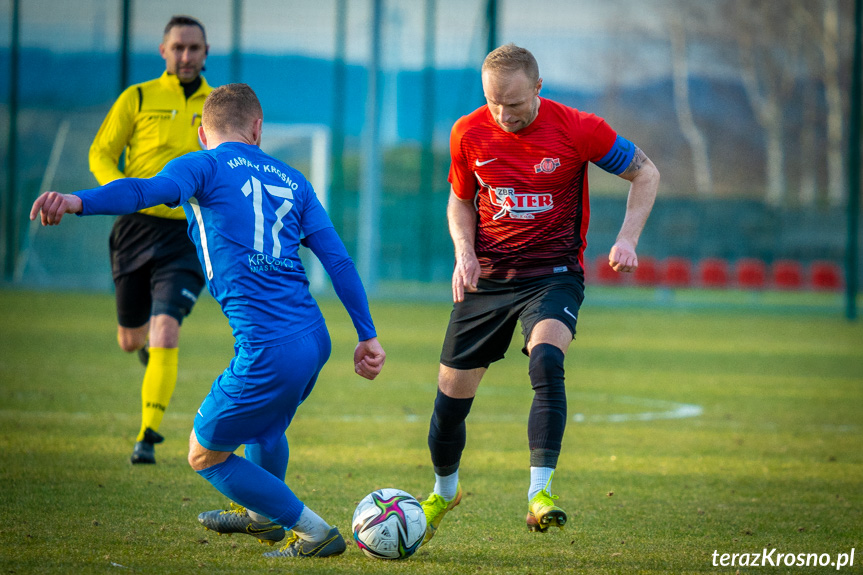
[(770, 457)]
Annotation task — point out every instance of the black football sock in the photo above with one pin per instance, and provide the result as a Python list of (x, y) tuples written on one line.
[(447, 434), (547, 419)]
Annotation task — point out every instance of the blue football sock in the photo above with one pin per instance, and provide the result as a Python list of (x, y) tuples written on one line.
[(256, 489), (275, 461)]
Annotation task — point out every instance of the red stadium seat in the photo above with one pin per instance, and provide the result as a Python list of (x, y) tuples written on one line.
[(750, 273), (588, 269), (826, 276), (603, 272), (713, 273), (786, 275), (675, 272), (647, 273)]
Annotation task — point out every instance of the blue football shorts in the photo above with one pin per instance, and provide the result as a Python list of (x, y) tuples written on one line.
[(256, 397)]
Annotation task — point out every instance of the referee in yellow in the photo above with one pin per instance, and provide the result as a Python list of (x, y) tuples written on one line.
[(157, 276)]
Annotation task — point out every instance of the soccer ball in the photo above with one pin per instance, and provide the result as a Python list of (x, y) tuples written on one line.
[(389, 524)]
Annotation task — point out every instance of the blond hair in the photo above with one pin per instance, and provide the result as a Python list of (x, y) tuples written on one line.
[(511, 58), (231, 108)]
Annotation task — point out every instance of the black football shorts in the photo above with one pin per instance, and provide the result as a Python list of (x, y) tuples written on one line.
[(155, 268), (481, 327)]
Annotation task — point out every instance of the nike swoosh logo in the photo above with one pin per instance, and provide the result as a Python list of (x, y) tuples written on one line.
[(478, 163), (569, 313), (251, 528), (315, 550)]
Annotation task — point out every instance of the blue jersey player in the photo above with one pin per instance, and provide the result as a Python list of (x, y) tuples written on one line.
[(247, 214)]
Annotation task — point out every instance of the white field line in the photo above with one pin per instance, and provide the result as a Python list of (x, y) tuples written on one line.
[(657, 409)]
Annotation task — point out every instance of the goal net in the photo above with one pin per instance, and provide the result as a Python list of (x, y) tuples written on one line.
[(305, 147), (75, 255)]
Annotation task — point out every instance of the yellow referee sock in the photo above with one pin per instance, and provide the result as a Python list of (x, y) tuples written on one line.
[(159, 382)]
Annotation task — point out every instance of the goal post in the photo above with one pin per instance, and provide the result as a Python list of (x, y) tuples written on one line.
[(75, 255)]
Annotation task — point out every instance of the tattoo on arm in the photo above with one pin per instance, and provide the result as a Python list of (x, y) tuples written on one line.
[(638, 160)]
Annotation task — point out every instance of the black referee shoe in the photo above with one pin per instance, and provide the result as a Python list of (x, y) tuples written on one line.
[(145, 450), (144, 355)]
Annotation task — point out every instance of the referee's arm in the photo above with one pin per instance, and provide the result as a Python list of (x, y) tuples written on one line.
[(112, 138)]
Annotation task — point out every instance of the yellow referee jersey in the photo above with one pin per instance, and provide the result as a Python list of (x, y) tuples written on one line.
[(155, 123)]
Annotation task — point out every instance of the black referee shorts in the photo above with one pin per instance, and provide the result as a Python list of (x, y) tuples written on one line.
[(155, 268), (481, 327)]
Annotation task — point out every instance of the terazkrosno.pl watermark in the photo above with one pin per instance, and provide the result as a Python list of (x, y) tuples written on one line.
[(776, 558)]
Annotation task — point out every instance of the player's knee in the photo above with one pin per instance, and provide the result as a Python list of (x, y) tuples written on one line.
[(194, 451), (450, 412), (131, 340), (546, 366), (204, 458), (127, 346), (200, 457), (202, 461), (164, 331), (195, 461)]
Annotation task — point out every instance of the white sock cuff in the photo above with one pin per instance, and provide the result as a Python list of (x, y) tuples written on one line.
[(257, 516), (540, 478), (310, 526), (446, 486)]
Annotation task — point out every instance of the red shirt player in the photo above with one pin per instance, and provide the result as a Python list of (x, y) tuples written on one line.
[(530, 187), (518, 216)]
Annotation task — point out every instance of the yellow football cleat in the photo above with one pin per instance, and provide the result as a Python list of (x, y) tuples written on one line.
[(543, 513), (435, 507)]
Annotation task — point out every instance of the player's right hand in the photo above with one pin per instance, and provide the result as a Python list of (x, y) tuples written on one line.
[(464, 276), (53, 206)]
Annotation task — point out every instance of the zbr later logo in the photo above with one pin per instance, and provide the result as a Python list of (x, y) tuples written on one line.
[(516, 205)]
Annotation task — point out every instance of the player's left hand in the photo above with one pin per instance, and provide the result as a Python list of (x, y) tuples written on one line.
[(53, 206), (369, 358), (622, 257)]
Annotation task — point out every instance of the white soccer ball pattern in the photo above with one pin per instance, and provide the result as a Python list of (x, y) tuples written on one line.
[(389, 524)]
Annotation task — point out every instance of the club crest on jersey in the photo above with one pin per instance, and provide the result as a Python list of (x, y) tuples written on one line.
[(547, 165)]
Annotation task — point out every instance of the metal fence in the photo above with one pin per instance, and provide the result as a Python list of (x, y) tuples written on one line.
[(743, 105)]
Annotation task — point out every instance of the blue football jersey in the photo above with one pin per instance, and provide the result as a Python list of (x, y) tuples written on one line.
[(247, 212)]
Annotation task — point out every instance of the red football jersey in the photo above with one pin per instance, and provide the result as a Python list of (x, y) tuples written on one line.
[(530, 187)]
